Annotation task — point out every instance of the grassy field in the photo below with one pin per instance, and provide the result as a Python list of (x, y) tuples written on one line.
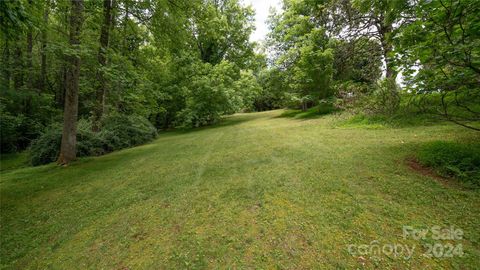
[(269, 190)]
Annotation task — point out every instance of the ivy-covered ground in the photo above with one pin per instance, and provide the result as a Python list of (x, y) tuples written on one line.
[(270, 190)]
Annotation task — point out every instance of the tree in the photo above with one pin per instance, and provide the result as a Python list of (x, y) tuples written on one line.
[(273, 88), (70, 113), (357, 60), (377, 19), (221, 31), (148, 64), (102, 60), (43, 50), (303, 52), (440, 53), (29, 65), (312, 73)]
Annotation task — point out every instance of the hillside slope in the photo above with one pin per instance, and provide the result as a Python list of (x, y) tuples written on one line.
[(257, 191)]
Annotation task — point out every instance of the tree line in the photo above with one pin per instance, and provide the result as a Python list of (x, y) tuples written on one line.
[(352, 52), (175, 63), (183, 63)]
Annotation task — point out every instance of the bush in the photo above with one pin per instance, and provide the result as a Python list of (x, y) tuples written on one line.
[(327, 105), (213, 91), (17, 131), (453, 159), (9, 131), (122, 131), (23, 115), (385, 98), (272, 91), (351, 94), (46, 148), (118, 132)]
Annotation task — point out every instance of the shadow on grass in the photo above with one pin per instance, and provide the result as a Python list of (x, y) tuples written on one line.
[(13, 161), (224, 122), (312, 113), (391, 121)]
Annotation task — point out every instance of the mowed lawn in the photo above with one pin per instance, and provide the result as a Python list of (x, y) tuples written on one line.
[(258, 191)]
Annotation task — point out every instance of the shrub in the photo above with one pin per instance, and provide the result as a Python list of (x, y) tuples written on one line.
[(216, 90), (9, 131), (118, 132), (327, 105), (351, 94), (453, 159), (385, 98), (272, 91), (23, 115), (121, 131), (46, 148), (17, 131)]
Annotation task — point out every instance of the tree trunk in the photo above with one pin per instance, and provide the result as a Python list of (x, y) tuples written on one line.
[(102, 60), (6, 65), (43, 54), (125, 23), (70, 112), (60, 91), (29, 55), (390, 72), (114, 14), (18, 67), (62, 78)]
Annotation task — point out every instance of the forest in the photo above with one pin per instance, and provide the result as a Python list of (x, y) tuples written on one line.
[(88, 86)]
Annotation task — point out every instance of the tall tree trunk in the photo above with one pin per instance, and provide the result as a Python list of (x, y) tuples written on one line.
[(29, 55), (385, 31), (29, 68), (6, 65), (70, 112), (390, 72), (62, 78), (125, 23), (61, 89), (102, 60), (18, 66), (43, 54), (114, 14)]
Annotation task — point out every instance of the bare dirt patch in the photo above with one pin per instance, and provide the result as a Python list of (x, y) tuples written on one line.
[(414, 165)]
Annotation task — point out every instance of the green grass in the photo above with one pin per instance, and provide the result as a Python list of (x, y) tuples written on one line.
[(13, 161), (257, 191), (399, 120)]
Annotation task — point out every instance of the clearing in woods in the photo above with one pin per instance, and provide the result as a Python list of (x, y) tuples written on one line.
[(261, 190)]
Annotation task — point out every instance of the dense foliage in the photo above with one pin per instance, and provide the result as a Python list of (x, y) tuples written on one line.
[(453, 159), (175, 63), (440, 53), (118, 132)]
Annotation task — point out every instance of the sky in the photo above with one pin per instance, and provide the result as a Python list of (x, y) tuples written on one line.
[(262, 8)]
